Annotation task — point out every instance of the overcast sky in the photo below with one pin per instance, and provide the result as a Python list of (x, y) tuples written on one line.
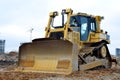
[(17, 17)]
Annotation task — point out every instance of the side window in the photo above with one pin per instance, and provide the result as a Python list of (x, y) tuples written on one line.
[(93, 25), (73, 22)]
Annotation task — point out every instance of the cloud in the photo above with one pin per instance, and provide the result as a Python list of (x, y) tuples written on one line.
[(18, 16)]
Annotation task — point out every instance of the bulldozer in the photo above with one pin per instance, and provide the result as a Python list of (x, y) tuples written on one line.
[(77, 44)]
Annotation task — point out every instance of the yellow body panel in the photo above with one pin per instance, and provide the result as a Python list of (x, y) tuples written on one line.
[(97, 37)]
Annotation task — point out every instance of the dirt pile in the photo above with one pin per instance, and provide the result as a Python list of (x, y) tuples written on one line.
[(118, 60), (8, 59)]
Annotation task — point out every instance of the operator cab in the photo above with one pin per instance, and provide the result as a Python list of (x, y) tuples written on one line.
[(84, 25), (81, 23)]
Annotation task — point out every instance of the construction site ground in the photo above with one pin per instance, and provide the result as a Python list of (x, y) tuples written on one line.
[(7, 72)]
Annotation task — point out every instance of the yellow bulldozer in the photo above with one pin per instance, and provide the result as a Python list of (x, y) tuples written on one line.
[(77, 44)]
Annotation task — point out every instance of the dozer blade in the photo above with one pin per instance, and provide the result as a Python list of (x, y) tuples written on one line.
[(48, 56)]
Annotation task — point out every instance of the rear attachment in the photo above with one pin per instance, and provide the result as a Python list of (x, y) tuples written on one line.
[(96, 56), (48, 56)]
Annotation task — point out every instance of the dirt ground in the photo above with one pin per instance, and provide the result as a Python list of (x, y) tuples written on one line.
[(8, 66), (8, 73)]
